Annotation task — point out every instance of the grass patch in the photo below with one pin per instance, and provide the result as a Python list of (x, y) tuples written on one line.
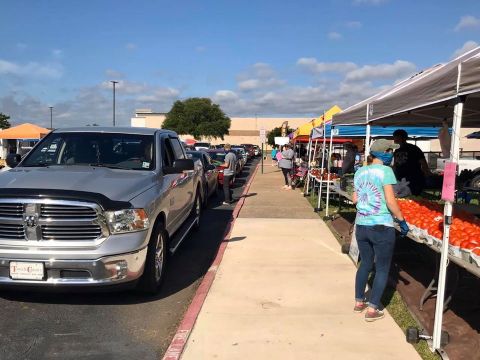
[(402, 316)]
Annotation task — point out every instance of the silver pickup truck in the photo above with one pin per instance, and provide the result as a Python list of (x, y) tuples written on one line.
[(96, 207)]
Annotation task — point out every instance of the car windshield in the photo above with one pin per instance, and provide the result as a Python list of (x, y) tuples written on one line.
[(217, 158), (202, 144), (120, 151)]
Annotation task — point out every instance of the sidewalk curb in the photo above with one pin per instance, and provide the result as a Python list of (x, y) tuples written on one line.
[(179, 341)]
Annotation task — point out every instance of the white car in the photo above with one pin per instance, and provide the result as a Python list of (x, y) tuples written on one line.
[(202, 146)]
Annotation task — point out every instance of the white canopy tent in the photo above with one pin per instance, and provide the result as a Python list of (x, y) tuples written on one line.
[(448, 92)]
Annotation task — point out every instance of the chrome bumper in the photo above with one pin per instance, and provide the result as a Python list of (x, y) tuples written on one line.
[(107, 270)]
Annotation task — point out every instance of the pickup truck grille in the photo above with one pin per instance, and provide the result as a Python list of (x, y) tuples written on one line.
[(66, 212), (50, 220), (12, 231), (11, 210), (78, 232)]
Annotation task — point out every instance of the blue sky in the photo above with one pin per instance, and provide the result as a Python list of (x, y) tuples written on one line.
[(290, 58)]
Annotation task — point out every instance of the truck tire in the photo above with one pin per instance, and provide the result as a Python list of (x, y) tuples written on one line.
[(197, 210), (155, 262)]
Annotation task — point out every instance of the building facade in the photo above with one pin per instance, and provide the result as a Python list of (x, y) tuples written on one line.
[(243, 130)]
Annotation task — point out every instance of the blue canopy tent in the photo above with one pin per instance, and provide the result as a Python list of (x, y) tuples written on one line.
[(360, 131), (375, 131)]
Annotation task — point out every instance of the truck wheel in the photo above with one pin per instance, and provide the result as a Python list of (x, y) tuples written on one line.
[(197, 210), (155, 263)]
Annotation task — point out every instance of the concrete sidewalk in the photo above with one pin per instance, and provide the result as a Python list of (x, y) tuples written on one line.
[(285, 291)]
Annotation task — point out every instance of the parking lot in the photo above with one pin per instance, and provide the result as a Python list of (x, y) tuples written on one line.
[(120, 325)]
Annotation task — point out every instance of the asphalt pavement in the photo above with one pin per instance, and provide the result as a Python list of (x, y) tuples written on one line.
[(117, 325)]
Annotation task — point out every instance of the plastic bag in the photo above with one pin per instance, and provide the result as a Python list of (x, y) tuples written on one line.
[(401, 189), (445, 140)]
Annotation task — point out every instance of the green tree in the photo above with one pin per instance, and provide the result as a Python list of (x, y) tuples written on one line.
[(276, 132), (4, 123), (198, 117)]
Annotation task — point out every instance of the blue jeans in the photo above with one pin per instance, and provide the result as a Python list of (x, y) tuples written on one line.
[(376, 244)]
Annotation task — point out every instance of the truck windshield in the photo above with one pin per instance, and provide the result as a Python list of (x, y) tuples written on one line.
[(120, 151)]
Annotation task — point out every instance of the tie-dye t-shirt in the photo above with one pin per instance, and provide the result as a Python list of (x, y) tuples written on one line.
[(371, 206)]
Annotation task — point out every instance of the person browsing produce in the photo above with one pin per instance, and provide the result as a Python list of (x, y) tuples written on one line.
[(409, 163), (376, 210)]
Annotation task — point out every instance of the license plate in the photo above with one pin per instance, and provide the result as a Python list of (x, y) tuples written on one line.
[(27, 270)]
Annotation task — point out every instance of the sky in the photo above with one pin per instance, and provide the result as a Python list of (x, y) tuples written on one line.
[(264, 57)]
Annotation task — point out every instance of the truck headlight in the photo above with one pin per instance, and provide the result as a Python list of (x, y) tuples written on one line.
[(128, 220)]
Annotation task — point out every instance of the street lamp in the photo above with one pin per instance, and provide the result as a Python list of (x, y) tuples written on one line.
[(51, 117), (114, 82)]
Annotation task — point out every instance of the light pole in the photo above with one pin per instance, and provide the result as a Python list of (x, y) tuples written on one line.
[(114, 82), (51, 117)]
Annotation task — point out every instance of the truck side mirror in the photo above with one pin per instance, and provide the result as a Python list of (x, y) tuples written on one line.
[(13, 160), (179, 166)]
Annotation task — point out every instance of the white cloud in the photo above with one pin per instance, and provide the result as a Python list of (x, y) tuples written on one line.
[(313, 66), (469, 45), (159, 95), (369, 2), (398, 69), (130, 46), (260, 76), (354, 24), (31, 69), (255, 84), (114, 74), (353, 84), (334, 35), (468, 22), (89, 105), (126, 87)]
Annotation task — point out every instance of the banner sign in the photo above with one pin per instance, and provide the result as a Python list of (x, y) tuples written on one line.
[(282, 140)]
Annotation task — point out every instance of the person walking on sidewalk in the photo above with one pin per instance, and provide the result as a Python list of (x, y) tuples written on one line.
[(230, 166), (286, 164), (375, 201), (273, 155)]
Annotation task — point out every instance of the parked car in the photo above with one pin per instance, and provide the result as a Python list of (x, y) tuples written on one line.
[(249, 149), (208, 173), (202, 146), (240, 161), (257, 151), (96, 207), (242, 153), (218, 159)]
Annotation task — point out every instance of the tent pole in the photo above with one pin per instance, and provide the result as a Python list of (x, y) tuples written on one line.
[(367, 135), (310, 142), (319, 202), (442, 275), (309, 176), (329, 171), (367, 142)]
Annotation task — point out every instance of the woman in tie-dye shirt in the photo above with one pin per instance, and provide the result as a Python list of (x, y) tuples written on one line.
[(377, 209)]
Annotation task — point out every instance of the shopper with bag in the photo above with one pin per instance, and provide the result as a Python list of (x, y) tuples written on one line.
[(377, 209)]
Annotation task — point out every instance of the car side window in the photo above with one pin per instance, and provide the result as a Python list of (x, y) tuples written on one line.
[(177, 148), (168, 156)]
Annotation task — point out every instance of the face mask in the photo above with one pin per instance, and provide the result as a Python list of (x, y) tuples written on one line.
[(385, 157)]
